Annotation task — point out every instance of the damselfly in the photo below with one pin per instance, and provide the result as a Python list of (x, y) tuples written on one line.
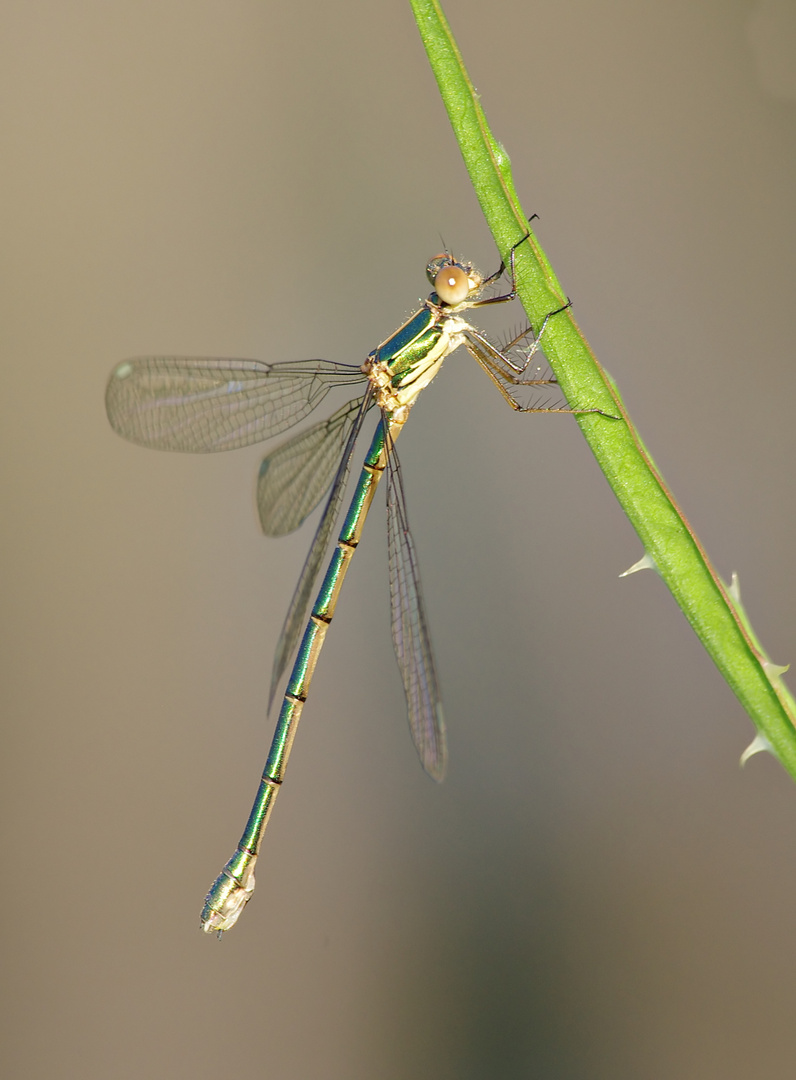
[(202, 404)]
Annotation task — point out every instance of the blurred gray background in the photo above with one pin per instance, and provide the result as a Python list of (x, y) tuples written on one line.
[(597, 891)]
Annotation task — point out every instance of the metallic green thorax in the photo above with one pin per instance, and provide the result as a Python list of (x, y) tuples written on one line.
[(410, 345), (408, 354)]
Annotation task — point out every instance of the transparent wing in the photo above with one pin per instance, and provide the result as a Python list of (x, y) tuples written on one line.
[(199, 404), (297, 612), (410, 632), (294, 477)]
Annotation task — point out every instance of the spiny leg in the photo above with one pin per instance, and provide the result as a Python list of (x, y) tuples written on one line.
[(512, 372), (501, 269), (497, 360), (495, 374), (499, 367), (501, 355)]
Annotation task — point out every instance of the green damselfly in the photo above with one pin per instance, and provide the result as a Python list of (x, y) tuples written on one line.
[(200, 404)]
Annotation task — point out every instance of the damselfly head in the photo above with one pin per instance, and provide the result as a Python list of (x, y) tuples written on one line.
[(453, 282)]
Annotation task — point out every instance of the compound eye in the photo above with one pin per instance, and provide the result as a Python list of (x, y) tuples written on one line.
[(452, 285), (435, 265)]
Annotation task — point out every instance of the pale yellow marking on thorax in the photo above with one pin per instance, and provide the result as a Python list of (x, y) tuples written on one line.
[(398, 400)]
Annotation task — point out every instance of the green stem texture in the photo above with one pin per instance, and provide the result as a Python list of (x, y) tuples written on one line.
[(672, 548)]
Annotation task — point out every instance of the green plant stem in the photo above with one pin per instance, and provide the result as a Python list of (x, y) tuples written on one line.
[(669, 541)]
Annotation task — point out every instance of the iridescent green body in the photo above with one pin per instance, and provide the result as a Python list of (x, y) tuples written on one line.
[(410, 358), (207, 404)]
